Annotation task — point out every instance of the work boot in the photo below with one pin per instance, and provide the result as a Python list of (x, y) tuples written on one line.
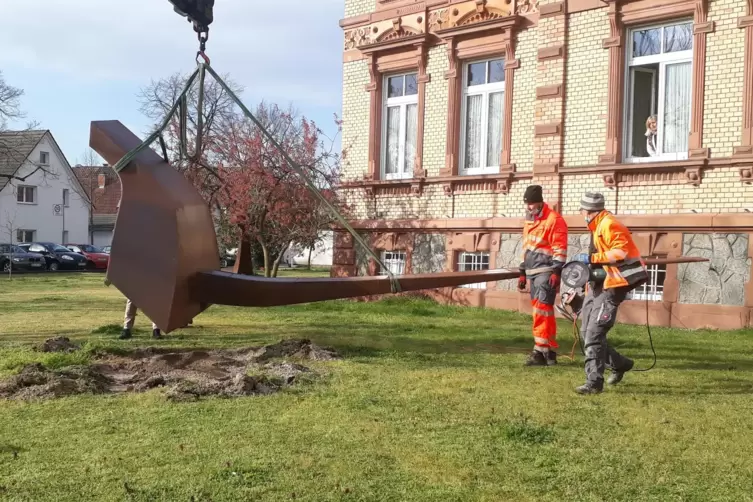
[(126, 334), (156, 333), (551, 358), (536, 358), (616, 376), (588, 389)]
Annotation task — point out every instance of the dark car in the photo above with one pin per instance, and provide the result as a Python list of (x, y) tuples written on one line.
[(56, 256), (13, 257)]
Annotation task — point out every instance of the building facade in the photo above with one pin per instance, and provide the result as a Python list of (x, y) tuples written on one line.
[(41, 199), (451, 108), (102, 185)]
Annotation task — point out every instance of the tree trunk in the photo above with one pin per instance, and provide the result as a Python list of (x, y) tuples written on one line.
[(244, 258), (308, 265), (276, 265), (267, 260)]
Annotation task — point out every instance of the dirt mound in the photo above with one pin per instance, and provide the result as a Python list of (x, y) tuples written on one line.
[(296, 348), (59, 344), (36, 381), (187, 374)]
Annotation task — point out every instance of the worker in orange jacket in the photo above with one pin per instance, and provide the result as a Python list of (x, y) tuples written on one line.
[(544, 255), (613, 250)]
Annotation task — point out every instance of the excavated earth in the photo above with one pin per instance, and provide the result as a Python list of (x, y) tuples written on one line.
[(186, 374)]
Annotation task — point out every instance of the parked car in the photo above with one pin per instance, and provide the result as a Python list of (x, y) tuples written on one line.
[(56, 256), (106, 249), (13, 257), (96, 258), (227, 259)]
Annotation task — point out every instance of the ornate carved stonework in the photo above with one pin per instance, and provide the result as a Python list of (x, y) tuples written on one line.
[(397, 33), (357, 37), (526, 6), (439, 19)]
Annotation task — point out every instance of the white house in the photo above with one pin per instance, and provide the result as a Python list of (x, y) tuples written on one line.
[(321, 255), (40, 198)]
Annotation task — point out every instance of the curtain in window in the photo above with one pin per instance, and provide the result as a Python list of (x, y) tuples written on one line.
[(677, 107), (473, 138), (411, 133), (393, 140), (494, 131)]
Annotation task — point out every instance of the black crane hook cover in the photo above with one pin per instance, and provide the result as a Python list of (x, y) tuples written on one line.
[(199, 12)]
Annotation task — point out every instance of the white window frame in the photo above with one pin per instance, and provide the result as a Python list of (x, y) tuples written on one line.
[(478, 259), (44, 158), (403, 171), (21, 235), (21, 189), (485, 90), (66, 197), (395, 261), (652, 290), (663, 59)]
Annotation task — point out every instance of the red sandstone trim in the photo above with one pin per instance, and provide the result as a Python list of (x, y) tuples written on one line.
[(746, 142)]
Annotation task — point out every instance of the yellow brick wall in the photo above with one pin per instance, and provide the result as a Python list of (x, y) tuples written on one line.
[(481, 204), (587, 81), (435, 114), (574, 186), (720, 192), (524, 101), (355, 117), (359, 7), (511, 205), (722, 113)]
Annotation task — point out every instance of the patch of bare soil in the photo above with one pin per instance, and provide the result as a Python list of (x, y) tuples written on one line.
[(59, 344), (186, 374)]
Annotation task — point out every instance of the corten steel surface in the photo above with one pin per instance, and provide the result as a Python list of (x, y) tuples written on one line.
[(163, 235), (249, 291), (225, 288), (165, 256)]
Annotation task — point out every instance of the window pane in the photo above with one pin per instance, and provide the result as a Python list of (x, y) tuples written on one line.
[(494, 134), (644, 88), (646, 42), (476, 74), (411, 84), (497, 70), (411, 125), (393, 139), (395, 87), (678, 38), (677, 108), (473, 119)]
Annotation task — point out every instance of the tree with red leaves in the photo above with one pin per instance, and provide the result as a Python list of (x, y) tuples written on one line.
[(262, 198)]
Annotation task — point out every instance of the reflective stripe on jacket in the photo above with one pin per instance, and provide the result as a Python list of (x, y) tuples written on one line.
[(616, 249), (544, 242)]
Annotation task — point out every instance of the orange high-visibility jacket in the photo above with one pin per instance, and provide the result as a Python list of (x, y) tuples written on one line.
[(544, 242), (616, 250)]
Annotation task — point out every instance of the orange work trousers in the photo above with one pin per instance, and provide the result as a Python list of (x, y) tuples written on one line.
[(544, 323)]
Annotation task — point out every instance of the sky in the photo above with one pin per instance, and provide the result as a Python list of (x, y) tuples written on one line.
[(84, 60)]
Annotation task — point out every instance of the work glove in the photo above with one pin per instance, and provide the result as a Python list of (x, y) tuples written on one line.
[(583, 258), (554, 281), (522, 281)]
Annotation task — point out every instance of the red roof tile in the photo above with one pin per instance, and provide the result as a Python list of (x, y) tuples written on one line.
[(104, 200)]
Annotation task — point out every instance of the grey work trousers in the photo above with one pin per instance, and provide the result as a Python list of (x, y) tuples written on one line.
[(130, 315), (598, 315)]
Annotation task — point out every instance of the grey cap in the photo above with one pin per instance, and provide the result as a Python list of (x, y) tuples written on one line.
[(592, 201)]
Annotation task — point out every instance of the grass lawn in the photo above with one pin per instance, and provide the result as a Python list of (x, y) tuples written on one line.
[(429, 403)]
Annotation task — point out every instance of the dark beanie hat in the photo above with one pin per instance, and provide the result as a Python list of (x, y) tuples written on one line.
[(533, 194)]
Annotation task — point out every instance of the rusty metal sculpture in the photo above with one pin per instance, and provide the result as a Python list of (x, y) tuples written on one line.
[(178, 275)]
